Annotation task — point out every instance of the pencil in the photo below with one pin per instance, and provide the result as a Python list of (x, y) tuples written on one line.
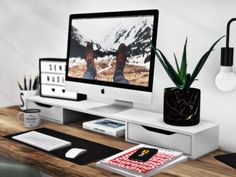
[(35, 83), (19, 85), (30, 84), (25, 84)]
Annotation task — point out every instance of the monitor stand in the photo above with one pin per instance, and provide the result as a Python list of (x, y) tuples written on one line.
[(116, 107)]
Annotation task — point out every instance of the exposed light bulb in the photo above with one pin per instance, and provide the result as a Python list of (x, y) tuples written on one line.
[(226, 79)]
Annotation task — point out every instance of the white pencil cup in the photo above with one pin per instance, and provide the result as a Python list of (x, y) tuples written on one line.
[(24, 94)]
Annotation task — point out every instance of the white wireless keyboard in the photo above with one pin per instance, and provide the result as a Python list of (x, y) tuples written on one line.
[(42, 141)]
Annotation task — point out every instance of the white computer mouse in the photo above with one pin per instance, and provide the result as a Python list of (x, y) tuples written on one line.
[(74, 152)]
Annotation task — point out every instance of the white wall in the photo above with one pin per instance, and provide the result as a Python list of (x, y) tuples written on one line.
[(30, 29)]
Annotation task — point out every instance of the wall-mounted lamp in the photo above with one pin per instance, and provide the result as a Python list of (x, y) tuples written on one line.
[(226, 78)]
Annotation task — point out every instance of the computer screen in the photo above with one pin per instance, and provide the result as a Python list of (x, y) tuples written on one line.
[(111, 50)]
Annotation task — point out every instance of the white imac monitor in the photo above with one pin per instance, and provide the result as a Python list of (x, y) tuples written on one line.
[(110, 55)]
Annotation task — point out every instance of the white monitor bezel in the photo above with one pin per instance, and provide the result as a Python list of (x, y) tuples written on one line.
[(116, 91)]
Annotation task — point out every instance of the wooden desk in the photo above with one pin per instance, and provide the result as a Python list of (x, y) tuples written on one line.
[(205, 166)]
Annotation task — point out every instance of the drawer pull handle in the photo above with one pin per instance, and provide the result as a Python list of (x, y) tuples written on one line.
[(43, 105), (166, 132)]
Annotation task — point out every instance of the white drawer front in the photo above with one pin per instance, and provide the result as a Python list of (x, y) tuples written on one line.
[(49, 112), (157, 137)]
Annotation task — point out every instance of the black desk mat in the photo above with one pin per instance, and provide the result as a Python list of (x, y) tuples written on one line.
[(229, 159), (95, 151)]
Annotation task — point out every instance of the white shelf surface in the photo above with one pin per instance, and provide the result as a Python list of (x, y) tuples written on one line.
[(85, 106), (156, 120)]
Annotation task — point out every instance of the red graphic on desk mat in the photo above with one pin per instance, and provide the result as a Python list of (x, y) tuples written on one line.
[(157, 160)]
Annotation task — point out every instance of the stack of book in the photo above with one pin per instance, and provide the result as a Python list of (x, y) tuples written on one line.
[(142, 161)]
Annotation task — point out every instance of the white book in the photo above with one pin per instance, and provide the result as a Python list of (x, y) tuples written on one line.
[(121, 164), (106, 126)]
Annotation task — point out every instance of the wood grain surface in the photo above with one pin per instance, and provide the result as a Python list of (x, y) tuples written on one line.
[(202, 167)]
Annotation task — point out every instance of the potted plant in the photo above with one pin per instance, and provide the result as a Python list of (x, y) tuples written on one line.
[(182, 103)]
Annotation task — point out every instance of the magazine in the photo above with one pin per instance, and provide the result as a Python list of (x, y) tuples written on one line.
[(142, 160)]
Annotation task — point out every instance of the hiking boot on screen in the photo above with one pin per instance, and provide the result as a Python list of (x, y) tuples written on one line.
[(89, 54), (121, 57)]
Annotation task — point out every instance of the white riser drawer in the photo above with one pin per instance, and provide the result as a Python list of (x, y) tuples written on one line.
[(158, 137)]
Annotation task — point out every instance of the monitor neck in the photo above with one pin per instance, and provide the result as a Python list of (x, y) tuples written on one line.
[(123, 103)]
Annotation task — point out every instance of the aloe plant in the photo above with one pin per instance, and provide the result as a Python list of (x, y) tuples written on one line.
[(179, 76)]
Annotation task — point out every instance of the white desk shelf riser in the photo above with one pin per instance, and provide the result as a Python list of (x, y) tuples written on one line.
[(63, 111), (141, 126)]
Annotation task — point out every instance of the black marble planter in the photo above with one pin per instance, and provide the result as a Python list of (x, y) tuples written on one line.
[(182, 108)]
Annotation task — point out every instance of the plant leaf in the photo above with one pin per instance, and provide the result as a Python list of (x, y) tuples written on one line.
[(184, 61), (168, 68), (172, 70), (186, 84), (202, 62), (177, 65)]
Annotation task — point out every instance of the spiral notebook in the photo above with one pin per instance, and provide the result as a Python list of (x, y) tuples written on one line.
[(142, 160)]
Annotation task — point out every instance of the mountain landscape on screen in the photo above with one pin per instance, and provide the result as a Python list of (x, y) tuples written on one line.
[(136, 35)]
